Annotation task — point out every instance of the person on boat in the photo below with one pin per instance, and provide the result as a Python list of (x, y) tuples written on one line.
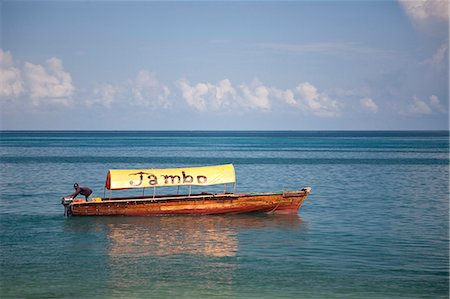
[(81, 190)]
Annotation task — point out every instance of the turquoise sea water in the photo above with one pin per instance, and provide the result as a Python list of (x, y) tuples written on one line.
[(376, 224)]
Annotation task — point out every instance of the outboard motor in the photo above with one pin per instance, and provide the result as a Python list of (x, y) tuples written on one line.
[(66, 201)]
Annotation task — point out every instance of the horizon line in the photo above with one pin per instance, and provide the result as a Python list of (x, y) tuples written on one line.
[(226, 130)]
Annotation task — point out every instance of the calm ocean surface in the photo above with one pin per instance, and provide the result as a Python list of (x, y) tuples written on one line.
[(376, 224)]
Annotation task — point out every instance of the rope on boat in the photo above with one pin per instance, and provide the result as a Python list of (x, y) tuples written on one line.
[(273, 210)]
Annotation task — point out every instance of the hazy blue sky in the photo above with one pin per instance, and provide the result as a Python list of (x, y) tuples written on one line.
[(299, 65)]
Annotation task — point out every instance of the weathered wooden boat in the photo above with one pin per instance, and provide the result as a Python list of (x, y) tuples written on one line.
[(205, 203)]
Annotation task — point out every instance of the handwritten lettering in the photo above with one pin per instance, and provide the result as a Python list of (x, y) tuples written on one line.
[(152, 180), (187, 179), (141, 176), (201, 179), (172, 177), (168, 179)]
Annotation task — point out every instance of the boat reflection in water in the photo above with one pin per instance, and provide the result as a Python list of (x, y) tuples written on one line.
[(172, 256), (215, 236), (172, 235)]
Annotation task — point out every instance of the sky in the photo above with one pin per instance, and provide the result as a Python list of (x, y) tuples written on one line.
[(236, 65)]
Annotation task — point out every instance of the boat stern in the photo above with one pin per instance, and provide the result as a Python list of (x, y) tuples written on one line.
[(67, 203)]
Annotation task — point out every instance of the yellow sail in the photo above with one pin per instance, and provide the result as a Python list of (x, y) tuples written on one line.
[(143, 178)]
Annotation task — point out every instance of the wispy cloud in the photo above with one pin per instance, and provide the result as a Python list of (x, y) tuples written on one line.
[(148, 90), (104, 94), (422, 107), (418, 107), (325, 47), (436, 104), (369, 104), (145, 90), (437, 61)]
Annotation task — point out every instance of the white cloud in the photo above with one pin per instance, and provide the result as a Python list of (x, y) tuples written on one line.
[(424, 10), (148, 91), (309, 96), (204, 96), (207, 96), (286, 96), (436, 104), (318, 103), (255, 95), (369, 105), (144, 91), (6, 59), (224, 93), (104, 94), (418, 107), (422, 107), (49, 84), (194, 95), (11, 83)]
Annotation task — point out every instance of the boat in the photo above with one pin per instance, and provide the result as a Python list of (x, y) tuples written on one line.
[(204, 203)]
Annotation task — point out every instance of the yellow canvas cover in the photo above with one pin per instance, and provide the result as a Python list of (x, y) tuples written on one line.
[(143, 178)]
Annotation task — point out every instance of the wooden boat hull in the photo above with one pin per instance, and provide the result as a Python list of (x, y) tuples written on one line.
[(201, 204)]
